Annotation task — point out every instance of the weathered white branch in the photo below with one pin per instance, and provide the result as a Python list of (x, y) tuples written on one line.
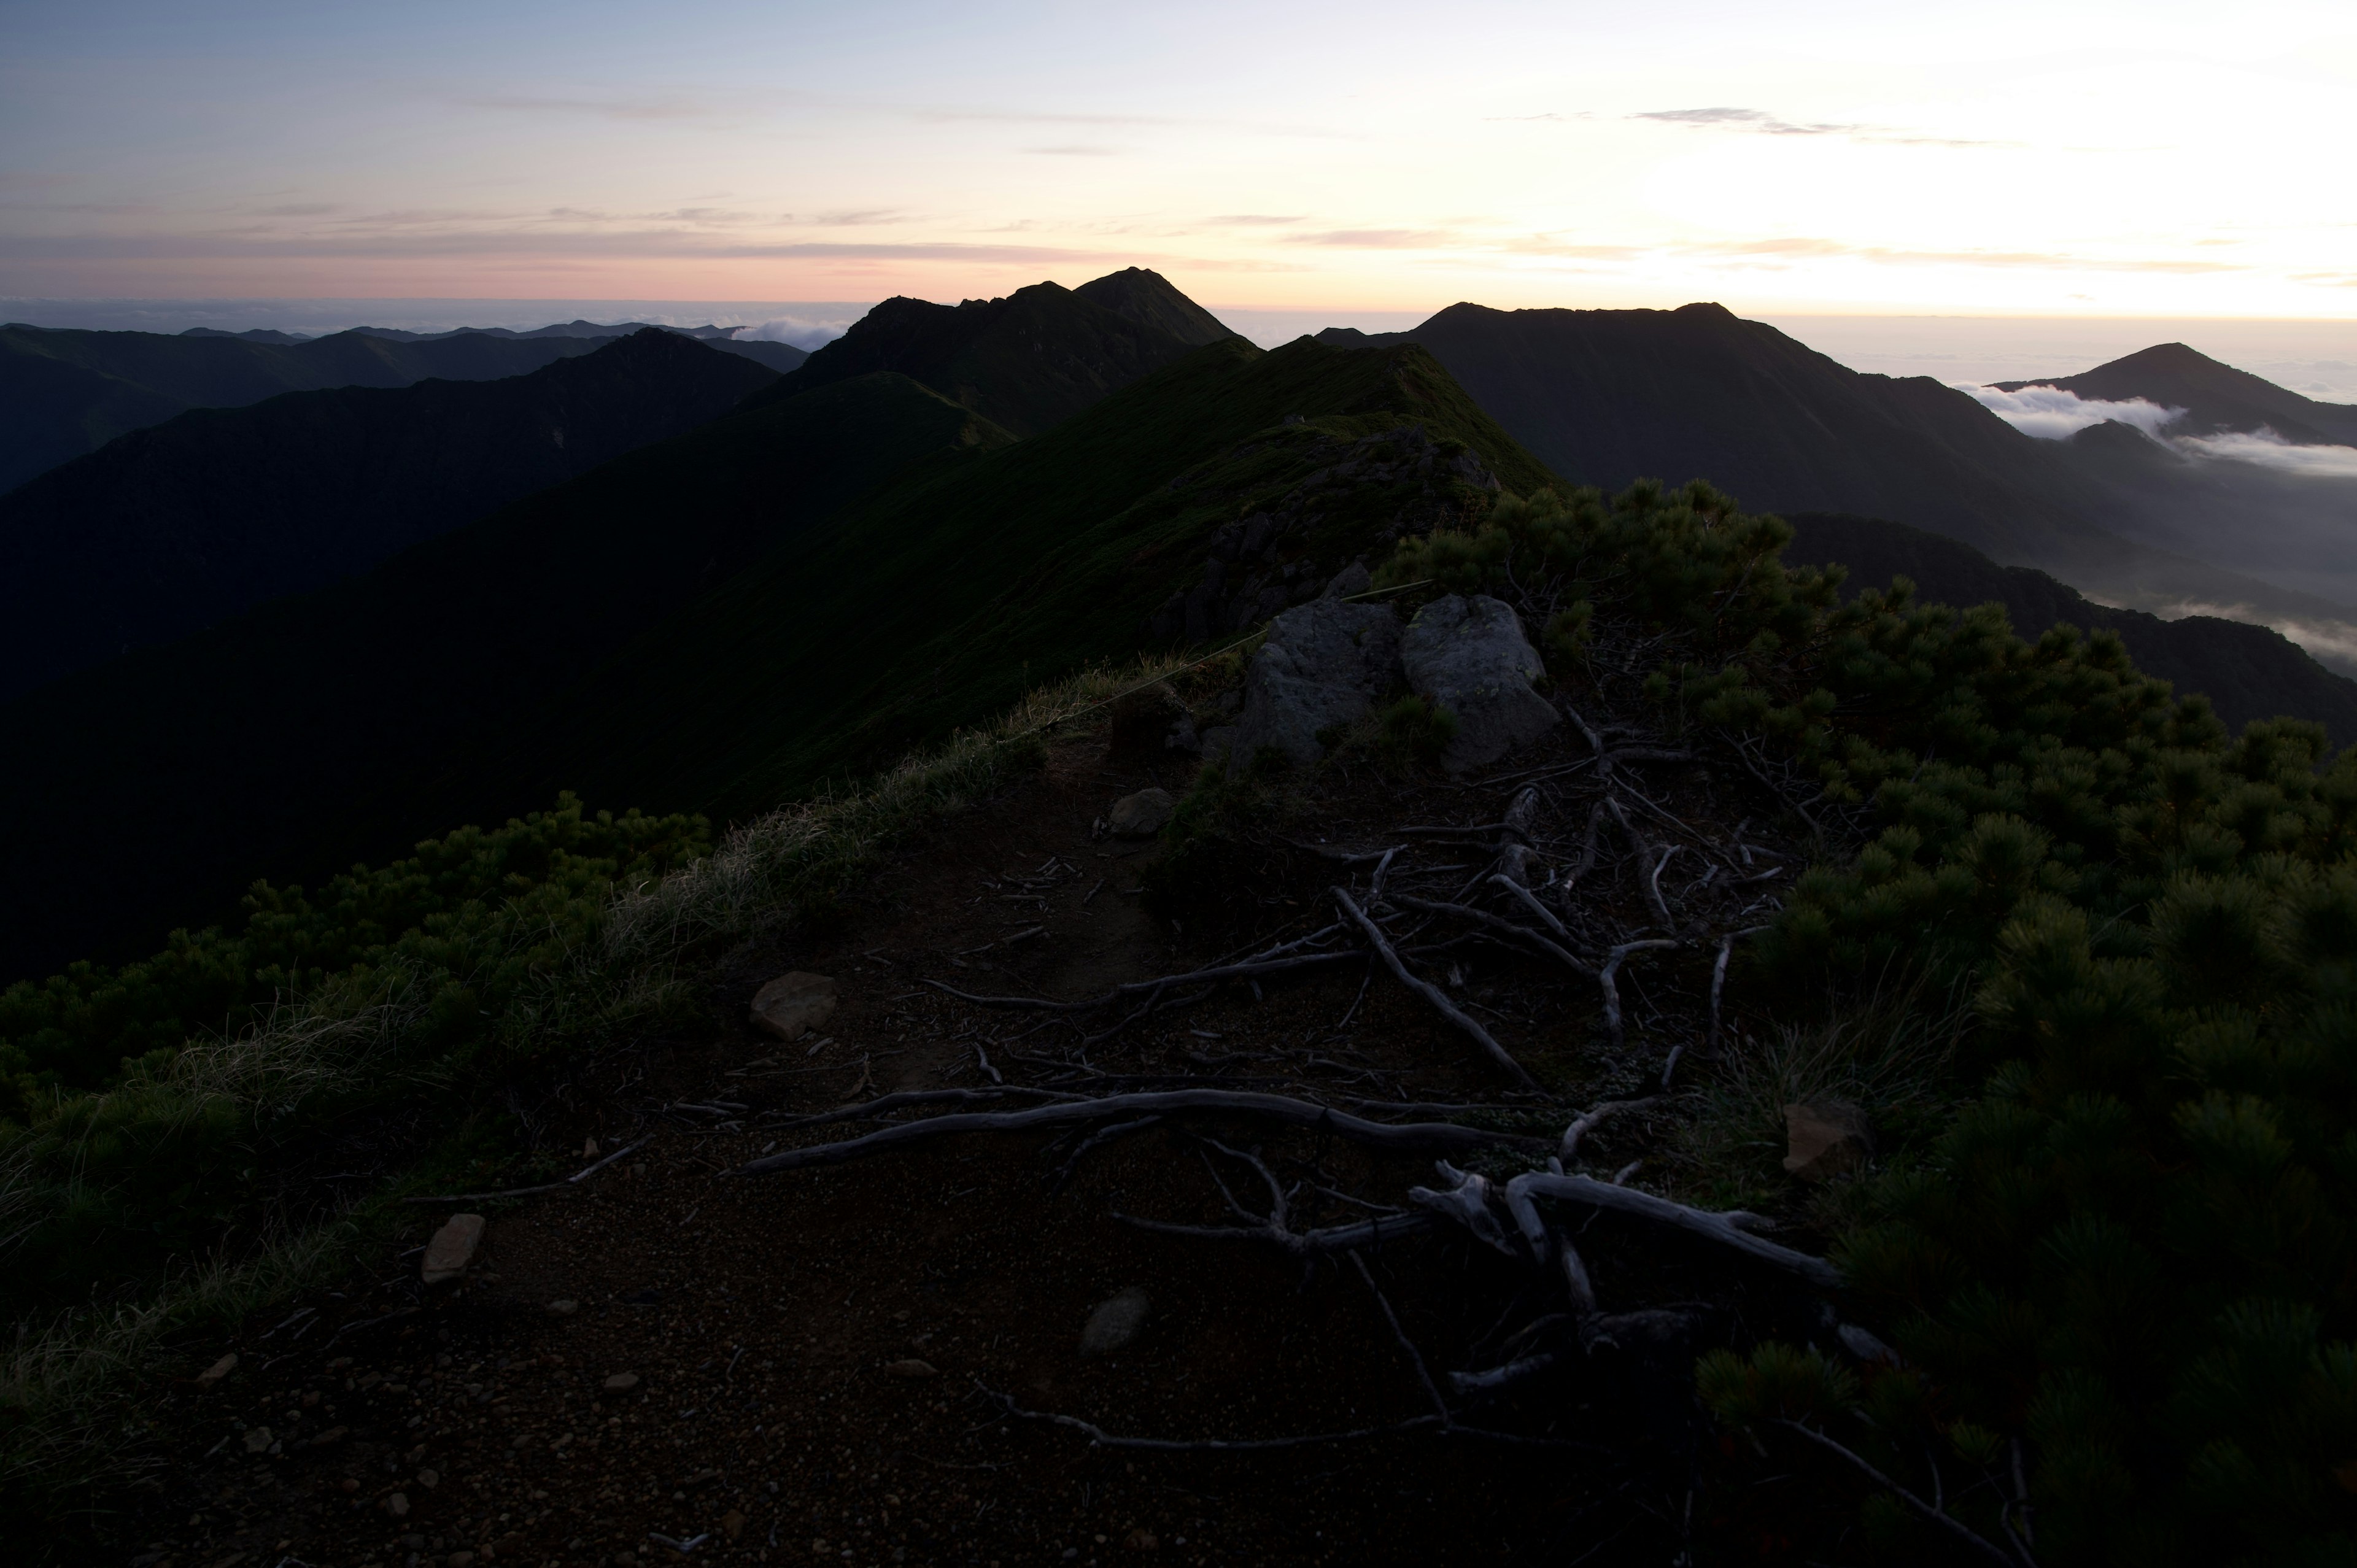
[(1725, 1230), (1430, 992)]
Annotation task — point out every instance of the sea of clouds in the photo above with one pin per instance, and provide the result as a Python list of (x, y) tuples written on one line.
[(2051, 413)]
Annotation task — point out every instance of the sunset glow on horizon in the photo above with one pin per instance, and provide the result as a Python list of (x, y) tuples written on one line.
[(2091, 160)]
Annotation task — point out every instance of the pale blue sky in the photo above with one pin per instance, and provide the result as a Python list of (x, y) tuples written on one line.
[(2147, 160)]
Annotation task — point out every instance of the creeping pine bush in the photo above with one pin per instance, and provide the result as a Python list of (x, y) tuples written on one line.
[(2122, 1283)]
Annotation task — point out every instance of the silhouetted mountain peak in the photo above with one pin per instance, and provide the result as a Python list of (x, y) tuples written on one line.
[(1148, 297), (1026, 361), (2214, 396)]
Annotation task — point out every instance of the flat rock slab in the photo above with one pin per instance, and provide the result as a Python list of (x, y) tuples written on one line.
[(1469, 655), (1115, 1323), (792, 1005), (452, 1249), (1325, 664), (1140, 816)]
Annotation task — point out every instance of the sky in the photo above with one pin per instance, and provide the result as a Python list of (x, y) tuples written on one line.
[(2152, 160)]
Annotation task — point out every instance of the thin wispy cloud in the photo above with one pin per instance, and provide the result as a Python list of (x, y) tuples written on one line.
[(1760, 122), (1073, 152), (1375, 239), (2266, 449), (1253, 219)]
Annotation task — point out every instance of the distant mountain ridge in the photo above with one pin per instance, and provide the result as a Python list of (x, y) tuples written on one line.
[(65, 392), (2216, 397), (168, 530), (603, 634), (1608, 396), (2247, 671), (1027, 362)]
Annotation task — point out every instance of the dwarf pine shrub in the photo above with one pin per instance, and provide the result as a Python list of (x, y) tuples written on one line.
[(2122, 1280)]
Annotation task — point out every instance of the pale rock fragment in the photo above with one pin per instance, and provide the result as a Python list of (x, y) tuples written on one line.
[(792, 1005)]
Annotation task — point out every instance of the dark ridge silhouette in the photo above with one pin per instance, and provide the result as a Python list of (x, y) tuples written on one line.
[(1608, 396), (2247, 671), (1027, 362), (165, 530), (917, 569), (1148, 297), (65, 392)]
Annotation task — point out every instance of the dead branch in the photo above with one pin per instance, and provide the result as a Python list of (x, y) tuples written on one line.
[(1587, 1122), (1499, 1377), (1415, 1357), (1726, 1229), (1430, 992), (1931, 1513), (1445, 1136), (531, 1191), (1609, 978), (1104, 1439), (1483, 917), (1217, 972), (909, 1097), (1540, 910), (1350, 1238)]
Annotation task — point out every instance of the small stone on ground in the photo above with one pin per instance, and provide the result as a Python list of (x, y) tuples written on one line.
[(452, 1249), (792, 1005)]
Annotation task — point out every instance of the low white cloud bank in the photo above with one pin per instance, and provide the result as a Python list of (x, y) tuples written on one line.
[(801, 331), (2269, 450), (2332, 643), (2050, 413)]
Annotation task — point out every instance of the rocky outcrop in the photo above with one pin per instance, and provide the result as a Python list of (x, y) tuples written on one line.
[(1326, 663), (1470, 655), (1371, 491)]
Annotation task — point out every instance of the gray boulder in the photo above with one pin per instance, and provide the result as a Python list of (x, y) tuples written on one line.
[(1325, 663), (1470, 655)]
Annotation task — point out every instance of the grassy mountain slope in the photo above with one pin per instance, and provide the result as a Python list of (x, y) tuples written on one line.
[(168, 529), (2248, 672), (1025, 361), (348, 723), (1609, 396), (2214, 396), (944, 598), (65, 392)]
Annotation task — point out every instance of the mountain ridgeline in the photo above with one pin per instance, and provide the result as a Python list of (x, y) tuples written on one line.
[(1608, 396), (65, 392), (945, 506), (796, 591), (165, 530), (1027, 362)]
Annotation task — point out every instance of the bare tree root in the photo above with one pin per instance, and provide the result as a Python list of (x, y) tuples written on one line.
[(1484, 918), (1445, 1136)]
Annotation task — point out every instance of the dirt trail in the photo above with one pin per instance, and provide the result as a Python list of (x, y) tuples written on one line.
[(813, 1358)]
